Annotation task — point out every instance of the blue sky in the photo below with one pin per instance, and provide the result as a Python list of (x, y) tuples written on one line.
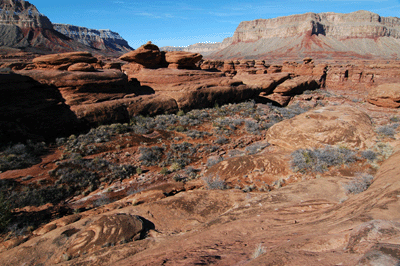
[(181, 22)]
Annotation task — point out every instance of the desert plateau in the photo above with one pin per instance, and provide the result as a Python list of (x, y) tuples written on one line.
[(279, 145)]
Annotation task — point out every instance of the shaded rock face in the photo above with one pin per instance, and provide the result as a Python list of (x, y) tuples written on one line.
[(98, 39), (385, 95), (325, 126), (31, 110), (322, 35)]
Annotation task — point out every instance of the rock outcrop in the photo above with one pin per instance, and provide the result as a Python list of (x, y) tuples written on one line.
[(332, 125), (323, 35), (147, 55), (63, 61), (385, 95), (79, 87), (97, 39), (182, 60)]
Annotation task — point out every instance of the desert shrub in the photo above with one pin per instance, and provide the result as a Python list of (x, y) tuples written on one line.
[(319, 160), (369, 155), (213, 161), (184, 146), (258, 251), (84, 143), (290, 111), (358, 184), (195, 134), (383, 150), (120, 172), (175, 167), (5, 213), (387, 130), (41, 196), (164, 171), (252, 127), (214, 183), (179, 178), (20, 156), (222, 140), (150, 156), (256, 147), (103, 200), (191, 172)]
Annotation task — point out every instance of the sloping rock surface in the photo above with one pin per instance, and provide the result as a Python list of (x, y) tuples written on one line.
[(331, 125)]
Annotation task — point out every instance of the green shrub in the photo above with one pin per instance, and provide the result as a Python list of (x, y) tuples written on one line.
[(20, 156)]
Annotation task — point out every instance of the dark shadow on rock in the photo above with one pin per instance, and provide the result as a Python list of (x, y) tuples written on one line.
[(147, 226), (33, 111), (264, 100), (144, 90)]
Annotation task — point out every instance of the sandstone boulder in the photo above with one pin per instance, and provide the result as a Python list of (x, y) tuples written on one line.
[(284, 92), (267, 83), (112, 66), (84, 67), (79, 87), (64, 60), (296, 85), (106, 231), (182, 60), (332, 125), (148, 55), (385, 95)]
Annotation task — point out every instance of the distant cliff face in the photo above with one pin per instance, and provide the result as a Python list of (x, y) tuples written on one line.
[(22, 14), (98, 39), (360, 24), (360, 34), (23, 26), (202, 48)]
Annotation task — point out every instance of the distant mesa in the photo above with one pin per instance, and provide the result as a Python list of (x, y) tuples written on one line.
[(361, 34)]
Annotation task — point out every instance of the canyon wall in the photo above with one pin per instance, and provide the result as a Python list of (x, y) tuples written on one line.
[(361, 34), (98, 39)]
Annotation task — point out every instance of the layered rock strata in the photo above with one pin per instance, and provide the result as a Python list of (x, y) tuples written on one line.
[(329, 35), (97, 39)]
